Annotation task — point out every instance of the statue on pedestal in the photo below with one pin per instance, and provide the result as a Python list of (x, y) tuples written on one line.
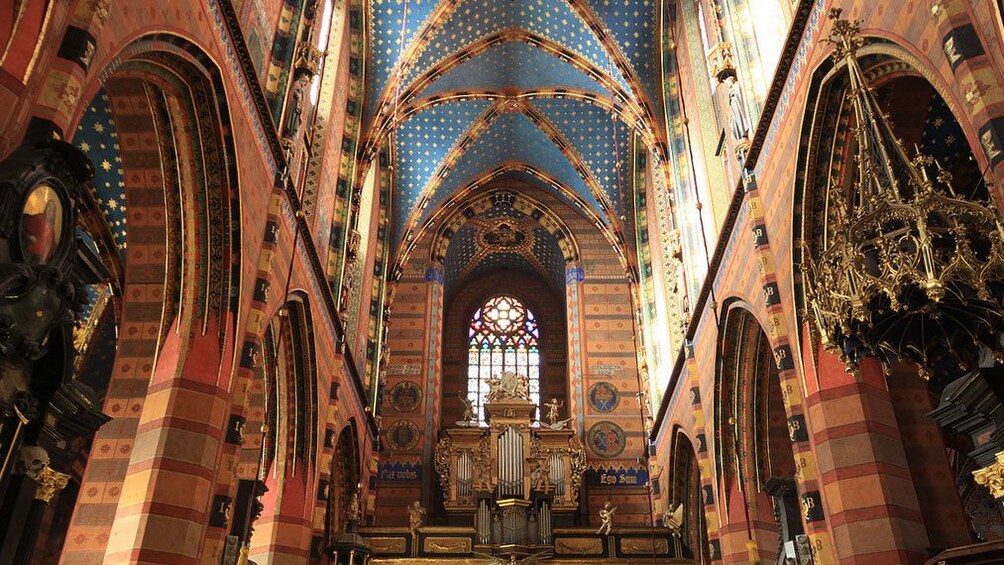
[(672, 518), (416, 514), (552, 410), (469, 417), (552, 415), (607, 518)]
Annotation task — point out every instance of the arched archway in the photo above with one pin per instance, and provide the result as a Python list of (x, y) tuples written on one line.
[(756, 467), (344, 482), (163, 216), (284, 397), (686, 488)]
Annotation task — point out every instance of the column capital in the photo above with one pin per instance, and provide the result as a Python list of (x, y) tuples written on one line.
[(992, 476), (50, 482), (574, 273), (435, 274)]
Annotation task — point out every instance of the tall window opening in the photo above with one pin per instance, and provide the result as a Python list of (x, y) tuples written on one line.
[(503, 337)]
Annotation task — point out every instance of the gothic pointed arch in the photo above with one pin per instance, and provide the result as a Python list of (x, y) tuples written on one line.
[(344, 482), (687, 497), (755, 465), (162, 215)]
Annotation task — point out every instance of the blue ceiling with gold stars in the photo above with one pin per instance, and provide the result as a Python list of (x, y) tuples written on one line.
[(97, 137), (511, 138), (521, 84), (512, 65)]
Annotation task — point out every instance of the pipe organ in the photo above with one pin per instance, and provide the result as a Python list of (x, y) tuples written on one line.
[(511, 478)]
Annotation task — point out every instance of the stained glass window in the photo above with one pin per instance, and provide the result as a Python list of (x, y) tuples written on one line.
[(503, 337)]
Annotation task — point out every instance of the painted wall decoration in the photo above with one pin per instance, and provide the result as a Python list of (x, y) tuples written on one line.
[(606, 439), (403, 435), (617, 477), (400, 472), (603, 397), (405, 396)]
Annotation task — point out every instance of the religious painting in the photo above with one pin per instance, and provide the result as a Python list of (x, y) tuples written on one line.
[(405, 396), (403, 435), (603, 397), (41, 224), (606, 439)]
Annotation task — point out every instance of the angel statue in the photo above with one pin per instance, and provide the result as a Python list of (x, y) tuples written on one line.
[(553, 422), (522, 387), (552, 410), (607, 518), (494, 388), (468, 416), (416, 514), (672, 518)]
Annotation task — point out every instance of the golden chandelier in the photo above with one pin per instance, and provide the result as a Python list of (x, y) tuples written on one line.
[(908, 269)]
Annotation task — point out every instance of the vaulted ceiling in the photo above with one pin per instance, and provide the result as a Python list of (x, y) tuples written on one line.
[(549, 90)]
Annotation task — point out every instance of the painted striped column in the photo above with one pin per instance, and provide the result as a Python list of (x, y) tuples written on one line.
[(166, 497), (792, 389), (140, 326), (871, 502), (933, 477), (704, 462)]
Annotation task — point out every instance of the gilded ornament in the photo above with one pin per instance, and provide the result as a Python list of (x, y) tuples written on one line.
[(387, 545), (580, 546), (721, 61), (442, 461), (908, 269), (447, 545), (645, 546), (50, 482), (307, 59), (992, 476)]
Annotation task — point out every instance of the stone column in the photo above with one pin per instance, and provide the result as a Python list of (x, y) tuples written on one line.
[(50, 482), (871, 503), (574, 276), (432, 372)]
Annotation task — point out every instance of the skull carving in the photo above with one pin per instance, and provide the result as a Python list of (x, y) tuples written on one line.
[(31, 459)]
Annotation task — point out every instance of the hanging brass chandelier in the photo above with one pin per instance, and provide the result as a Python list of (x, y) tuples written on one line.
[(908, 269)]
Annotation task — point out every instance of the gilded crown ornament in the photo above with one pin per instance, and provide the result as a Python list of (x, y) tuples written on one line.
[(307, 59), (908, 269)]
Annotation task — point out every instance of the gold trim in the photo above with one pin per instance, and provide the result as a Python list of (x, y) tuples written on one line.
[(577, 546), (447, 545), (644, 546), (992, 476), (403, 530), (462, 530), (387, 545)]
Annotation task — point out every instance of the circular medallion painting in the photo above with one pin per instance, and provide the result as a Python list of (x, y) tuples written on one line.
[(606, 439), (603, 397), (403, 435), (405, 396), (41, 224)]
